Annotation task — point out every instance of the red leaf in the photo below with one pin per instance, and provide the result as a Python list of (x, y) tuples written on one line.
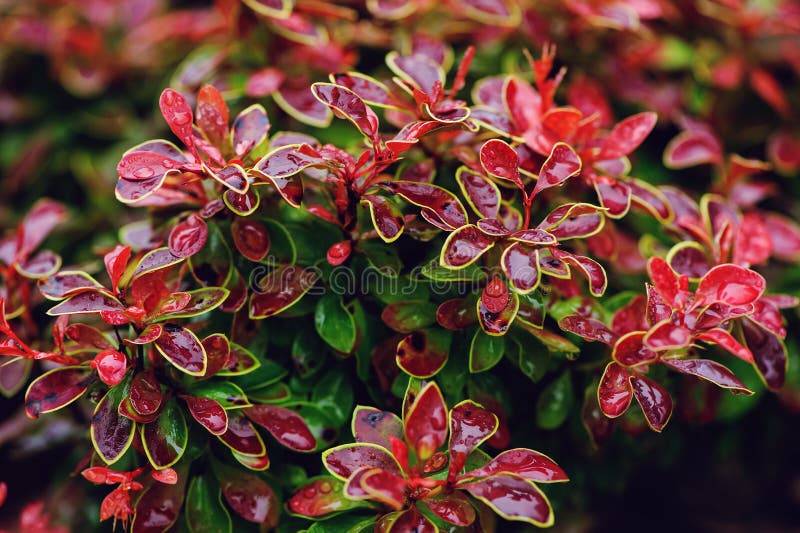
[(347, 103), (385, 487), (482, 195), (654, 399), (159, 507), (630, 350), (212, 114), (614, 195), (343, 461), (666, 335), (418, 70), (770, 90), (86, 302), (339, 252), (179, 117), (513, 498), (649, 198), (497, 322), (111, 432), (264, 82), (423, 353), (145, 393), (374, 426), (183, 349), (785, 236), (664, 280), (726, 340), (523, 462), (614, 393), (442, 202), (769, 354), (41, 219), (285, 425), (41, 265), (689, 259), (111, 366), (535, 237), (455, 314), (188, 237), (453, 508), (249, 496), (368, 89), (588, 328), (56, 388), (574, 221), (67, 283), (251, 238), (691, 148), (464, 246), (594, 273), (562, 163), (425, 422), (167, 476), (729, 284), (249, 129), (501, 161), (280, 289), (470, 426), (520, 264), (709, 371), (386, 216), (156, 260), (297, 100), (753, 245), (286, 161), (495, 227), (208, 413), (628, 134), (242, 437), (116, 260)]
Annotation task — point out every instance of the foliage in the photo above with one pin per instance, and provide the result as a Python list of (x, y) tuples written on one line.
[(408, 234)]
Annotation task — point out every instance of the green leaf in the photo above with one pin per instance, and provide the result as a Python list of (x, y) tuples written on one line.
[(213, 264), (334, 395), (410, 315), (335, 324), (344, 524), (282, 249), (382, 257), (555, 402), (485, 351), (227, 394), (367, 327), (435, 272), (204, 510), (165, 438), (308, 353)]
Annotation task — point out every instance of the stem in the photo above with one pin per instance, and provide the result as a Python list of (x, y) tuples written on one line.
[(526, 202)]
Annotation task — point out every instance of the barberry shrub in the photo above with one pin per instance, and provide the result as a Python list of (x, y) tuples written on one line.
[(413, 237)]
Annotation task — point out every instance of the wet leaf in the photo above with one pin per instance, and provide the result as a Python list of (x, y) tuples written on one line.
[(424, 352), (335, 324), (165, 439), (57, 388), (485, 351), (183, 349), (555, 402), (425, 422), (204, 510)]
